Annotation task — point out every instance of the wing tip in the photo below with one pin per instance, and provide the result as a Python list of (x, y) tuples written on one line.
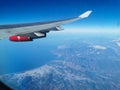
[(86, 14)]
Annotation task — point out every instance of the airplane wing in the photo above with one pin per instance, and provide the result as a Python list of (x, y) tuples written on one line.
[(37, 29)]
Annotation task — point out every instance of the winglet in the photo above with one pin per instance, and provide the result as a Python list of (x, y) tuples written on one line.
[(85, 15)]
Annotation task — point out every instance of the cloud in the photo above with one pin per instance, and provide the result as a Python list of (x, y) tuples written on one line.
[(99, 47), (118, 43), (62, 47), (91, 30)]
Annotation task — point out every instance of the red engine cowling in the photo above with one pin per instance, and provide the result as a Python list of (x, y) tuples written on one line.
[(19, 38)]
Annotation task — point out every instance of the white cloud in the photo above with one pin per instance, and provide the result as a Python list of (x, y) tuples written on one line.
[(99, 47), (118, 43), (91, 30), (62, 47)]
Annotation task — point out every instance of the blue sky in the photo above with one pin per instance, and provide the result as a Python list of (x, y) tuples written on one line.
[(16, 57), (105, 12)]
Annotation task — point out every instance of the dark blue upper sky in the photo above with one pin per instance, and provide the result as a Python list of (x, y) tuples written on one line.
[(105, 12)]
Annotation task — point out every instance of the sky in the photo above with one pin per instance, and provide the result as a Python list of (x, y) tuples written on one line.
[(15, 57), (105, 12)]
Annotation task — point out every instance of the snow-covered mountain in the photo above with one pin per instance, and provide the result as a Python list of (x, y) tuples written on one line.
[(78, 66)]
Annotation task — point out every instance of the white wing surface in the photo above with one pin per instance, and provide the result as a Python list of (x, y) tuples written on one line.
[(37, 28)]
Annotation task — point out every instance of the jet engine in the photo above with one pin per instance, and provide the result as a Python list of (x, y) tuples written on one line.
[(19, 38)]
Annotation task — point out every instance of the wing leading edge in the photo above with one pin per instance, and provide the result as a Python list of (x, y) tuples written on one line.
[(37, 28)]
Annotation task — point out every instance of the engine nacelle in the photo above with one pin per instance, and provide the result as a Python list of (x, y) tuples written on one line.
[(19, 38)]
